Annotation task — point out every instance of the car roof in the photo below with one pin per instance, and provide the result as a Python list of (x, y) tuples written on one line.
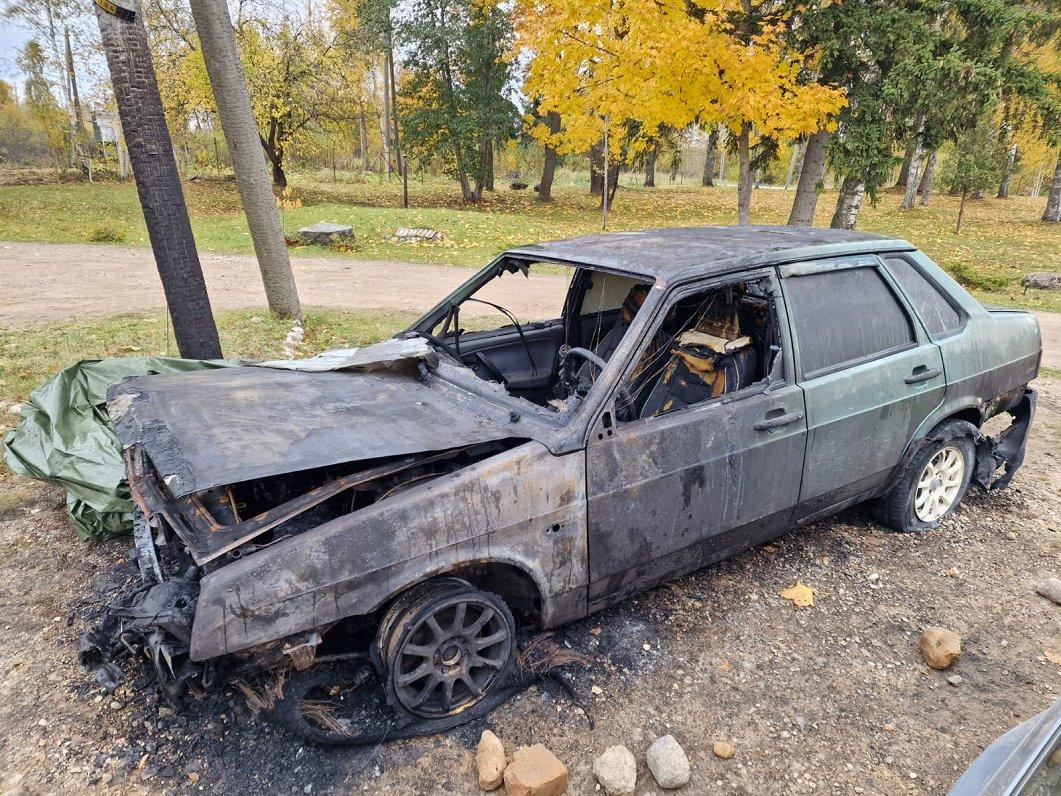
[(677, 253)]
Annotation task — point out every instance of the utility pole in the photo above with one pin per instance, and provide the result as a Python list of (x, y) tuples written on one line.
[(157, 182)]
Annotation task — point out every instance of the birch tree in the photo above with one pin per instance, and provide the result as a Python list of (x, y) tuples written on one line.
[(218, 43)]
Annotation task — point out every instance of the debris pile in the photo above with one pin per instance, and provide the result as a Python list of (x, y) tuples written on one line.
[(417, 235)]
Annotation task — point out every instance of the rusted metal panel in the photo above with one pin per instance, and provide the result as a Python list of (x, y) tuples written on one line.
[(524, 507), (254, 422)]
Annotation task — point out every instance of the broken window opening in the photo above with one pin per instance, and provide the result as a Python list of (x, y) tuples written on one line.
[(710, 344), (560, 327)]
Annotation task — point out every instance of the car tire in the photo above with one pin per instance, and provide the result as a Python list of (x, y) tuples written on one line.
[(444, 646), (934, 481)]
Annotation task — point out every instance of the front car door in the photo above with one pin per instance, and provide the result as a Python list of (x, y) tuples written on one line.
[(670, 493), (870, 374)]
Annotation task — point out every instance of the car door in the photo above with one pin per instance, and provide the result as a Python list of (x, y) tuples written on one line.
[(870, 374), (671, 493)]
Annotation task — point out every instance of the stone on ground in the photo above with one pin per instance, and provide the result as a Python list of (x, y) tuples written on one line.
[(668, 763), (326, 232), (1042, 280), (413, 234), (723, 750), (535, 771), (616, 771), (1051, 589), (490, 760), (940, 647)]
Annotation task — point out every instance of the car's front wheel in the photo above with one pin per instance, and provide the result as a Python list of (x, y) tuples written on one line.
[(934, 481), (444, 646)]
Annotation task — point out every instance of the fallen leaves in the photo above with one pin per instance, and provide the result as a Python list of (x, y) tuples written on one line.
[(801, 595)]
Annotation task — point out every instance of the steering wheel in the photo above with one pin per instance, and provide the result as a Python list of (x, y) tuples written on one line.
[(570, 374)]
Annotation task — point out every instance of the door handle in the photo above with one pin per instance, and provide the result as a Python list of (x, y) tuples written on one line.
[(923, 373), (777, 422)]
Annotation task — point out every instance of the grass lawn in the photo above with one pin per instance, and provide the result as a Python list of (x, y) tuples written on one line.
[(1002, 240), (32, 355)]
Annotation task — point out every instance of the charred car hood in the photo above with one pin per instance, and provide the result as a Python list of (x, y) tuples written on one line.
[(212, 428)]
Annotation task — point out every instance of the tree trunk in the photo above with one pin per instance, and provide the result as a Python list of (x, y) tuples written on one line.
[(71, 75), (848, 204), (913, 176), (545, 187), (650, 165), (1037, 182), (275, 154), (481, 170), (613, 183), (385, 122), (158, 184), (403, 167), (488, 164), (961, 210), (928, 179), (1053, 202), (797, 152), (229, 84), (1011, 160), (708, 178), (744, 177), (809, 185), (362, 130), (723, 142), (904, 170), (596, 170)]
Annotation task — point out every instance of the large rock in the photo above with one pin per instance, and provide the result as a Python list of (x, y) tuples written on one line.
[(535, 771), (490, 760), (325, 232), (667, 761), (1051, 589), (1042, 280), (616, 771), (940, 647)]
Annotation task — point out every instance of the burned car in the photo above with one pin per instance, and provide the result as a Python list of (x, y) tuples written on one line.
[(686, 393)]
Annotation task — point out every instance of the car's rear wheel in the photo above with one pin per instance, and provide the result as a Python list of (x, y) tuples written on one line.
[(934, 481), (444, 646)]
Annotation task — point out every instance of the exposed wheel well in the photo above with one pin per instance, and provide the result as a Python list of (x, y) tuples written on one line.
[(970, 414), (509, 582)]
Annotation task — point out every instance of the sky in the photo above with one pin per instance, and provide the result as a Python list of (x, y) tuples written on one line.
[(11, 40)]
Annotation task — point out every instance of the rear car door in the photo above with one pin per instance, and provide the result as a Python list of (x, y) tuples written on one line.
[(869, 372), (671, 493)]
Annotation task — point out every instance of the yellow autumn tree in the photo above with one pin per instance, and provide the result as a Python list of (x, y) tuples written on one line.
[(634, 67), (606, 63), (760, 93)]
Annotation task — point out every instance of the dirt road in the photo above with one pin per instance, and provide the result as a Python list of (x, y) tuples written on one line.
[(54, 282)]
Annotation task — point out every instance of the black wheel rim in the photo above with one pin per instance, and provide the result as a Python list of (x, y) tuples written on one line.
[(451, 657)]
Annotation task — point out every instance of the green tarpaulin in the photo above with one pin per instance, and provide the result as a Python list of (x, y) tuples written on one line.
[(65, 438)]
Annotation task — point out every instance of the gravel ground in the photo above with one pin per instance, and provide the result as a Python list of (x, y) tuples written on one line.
[(832, 698)]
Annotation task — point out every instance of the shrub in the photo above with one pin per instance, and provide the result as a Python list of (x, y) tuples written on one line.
[(107, 232)]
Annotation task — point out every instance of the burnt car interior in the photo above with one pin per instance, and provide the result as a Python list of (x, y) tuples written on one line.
[(710, 343)]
